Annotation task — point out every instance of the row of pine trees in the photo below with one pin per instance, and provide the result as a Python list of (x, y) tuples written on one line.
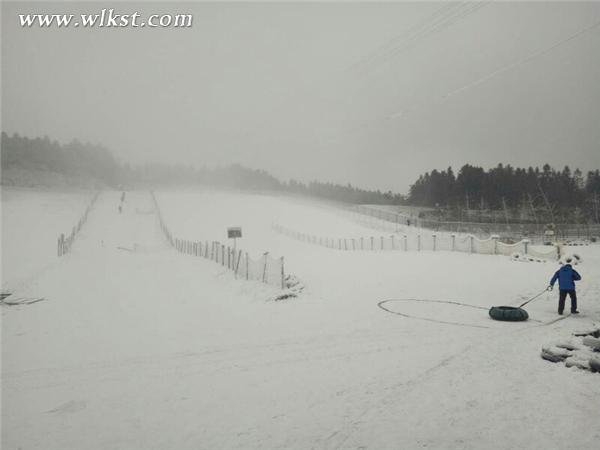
[(538, 194), (555, 195)]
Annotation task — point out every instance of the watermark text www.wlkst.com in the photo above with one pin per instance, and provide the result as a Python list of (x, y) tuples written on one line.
[(107, 18)]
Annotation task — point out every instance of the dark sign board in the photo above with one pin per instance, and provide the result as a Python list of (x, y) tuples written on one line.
[(234, 232)]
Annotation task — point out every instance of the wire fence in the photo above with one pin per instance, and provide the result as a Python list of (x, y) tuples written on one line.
[(65, 243), (265, 269), (424, 242), (515, 231)]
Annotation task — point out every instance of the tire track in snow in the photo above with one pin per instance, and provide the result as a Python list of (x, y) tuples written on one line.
[(338, 439), (383, 403)]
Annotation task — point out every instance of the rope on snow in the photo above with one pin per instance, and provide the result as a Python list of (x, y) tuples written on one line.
[(381, 303)]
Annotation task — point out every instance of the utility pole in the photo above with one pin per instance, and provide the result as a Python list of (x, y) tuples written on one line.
[(481, 209), (505, 210), (532, 209), (550, 208)]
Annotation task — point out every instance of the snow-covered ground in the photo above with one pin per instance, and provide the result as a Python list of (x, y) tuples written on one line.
[(205, 215), (32, 220), (151, 349)]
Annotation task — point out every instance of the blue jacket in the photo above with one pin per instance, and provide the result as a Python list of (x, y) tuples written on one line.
[(566, 277)]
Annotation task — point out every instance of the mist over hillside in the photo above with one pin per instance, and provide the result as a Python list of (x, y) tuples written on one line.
[(43, 162), (522, 194)]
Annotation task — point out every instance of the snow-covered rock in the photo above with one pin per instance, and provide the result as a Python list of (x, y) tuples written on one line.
[(578, 351)]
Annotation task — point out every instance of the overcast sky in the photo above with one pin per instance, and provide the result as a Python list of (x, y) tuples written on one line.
[(366, 93)]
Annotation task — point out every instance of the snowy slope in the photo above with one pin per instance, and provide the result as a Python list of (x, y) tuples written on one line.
[(205, 215), (150, 349), (32, 220)]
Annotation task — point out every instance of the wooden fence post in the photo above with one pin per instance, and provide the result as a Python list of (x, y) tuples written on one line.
[(282, 275), (237, 265), (264, 277)]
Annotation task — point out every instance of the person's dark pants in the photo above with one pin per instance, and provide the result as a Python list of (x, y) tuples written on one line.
[(562, 296)]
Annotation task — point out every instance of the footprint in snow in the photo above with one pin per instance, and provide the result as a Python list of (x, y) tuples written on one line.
[(71, 406)]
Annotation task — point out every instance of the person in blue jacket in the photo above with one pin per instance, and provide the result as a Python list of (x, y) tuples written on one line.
[(566, 276)]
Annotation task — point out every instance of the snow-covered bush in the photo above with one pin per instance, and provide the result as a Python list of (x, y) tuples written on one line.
[(521, 257), (572, 259), (292, 288)]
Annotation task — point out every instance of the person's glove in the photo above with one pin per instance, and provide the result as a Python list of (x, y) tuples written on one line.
[(550, 287)]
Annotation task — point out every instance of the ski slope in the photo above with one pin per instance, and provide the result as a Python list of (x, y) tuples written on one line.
[(138, 347), (32, 220), (205, 215)]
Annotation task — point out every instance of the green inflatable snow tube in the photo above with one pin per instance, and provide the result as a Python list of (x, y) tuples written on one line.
[(508, 313)]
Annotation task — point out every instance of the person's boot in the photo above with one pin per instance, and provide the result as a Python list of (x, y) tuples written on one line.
[(575, 312), (560, 313)]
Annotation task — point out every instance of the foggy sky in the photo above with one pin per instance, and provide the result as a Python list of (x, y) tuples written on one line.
[(355, 93)]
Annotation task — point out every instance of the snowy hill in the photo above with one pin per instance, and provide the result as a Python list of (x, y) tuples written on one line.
[(135, 346)]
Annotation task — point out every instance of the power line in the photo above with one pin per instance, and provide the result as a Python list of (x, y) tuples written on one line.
[(426, 105), (448, 21), (525, 60), (366, 60), (440, 19), (438, 23)]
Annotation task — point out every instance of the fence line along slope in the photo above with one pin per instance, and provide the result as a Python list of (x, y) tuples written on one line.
[(419, 242), (64, 243), (32, 219), (265, 269)]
